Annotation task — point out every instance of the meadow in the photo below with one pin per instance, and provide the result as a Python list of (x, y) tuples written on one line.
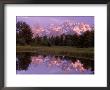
[(87, 53)]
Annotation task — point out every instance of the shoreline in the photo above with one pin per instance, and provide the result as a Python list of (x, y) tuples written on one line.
[(87, 53)]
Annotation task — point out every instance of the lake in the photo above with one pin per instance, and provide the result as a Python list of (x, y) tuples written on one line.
[(33, 63)]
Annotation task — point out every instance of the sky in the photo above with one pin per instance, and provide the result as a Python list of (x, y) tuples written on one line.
[(46, 20)]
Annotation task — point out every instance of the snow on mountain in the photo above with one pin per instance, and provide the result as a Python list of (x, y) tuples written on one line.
[(67, 27)]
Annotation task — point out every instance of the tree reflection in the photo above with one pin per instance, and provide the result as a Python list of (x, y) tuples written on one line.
[(23, 61)]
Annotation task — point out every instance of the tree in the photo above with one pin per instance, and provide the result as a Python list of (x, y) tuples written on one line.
[(87, 39), (24, 33)]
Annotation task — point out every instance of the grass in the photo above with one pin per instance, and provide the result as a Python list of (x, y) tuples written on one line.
[(87, 53)]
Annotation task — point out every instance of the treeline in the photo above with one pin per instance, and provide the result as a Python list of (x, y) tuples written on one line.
[(24, 36)]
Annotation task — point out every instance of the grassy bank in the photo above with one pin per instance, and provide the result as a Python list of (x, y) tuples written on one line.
[(59, 50)]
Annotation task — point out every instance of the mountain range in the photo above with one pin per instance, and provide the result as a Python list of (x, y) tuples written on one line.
[(65, 28)]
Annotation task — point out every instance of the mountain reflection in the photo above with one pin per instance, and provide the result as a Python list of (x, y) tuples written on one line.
[(39, 64)]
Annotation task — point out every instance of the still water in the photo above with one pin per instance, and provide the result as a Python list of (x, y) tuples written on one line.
[(32, 63)]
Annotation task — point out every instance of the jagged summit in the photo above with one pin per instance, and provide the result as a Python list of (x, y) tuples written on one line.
[(65, 28)]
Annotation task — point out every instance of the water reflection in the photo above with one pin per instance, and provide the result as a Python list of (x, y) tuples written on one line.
[(28, 63), (22, 61)]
